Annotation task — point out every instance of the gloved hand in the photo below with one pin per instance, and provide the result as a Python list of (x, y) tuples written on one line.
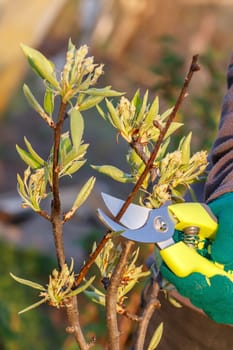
[(214, 295)]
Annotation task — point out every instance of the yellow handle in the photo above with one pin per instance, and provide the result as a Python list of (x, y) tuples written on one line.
[(194, 214), (183, 261)]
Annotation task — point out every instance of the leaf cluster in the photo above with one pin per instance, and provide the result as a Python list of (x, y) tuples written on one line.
[(106, 262), (140, 123), (74, 89), (59, 288)]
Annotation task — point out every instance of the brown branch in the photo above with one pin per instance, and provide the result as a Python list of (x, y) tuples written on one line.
[(75, 329), (138, 148), (130, 316), (56, 203), (44, 214), (92, 258), (57, 223), (111, 298), (151, 306)]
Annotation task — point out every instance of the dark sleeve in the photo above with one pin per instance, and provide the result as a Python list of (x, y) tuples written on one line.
[(220, 177)]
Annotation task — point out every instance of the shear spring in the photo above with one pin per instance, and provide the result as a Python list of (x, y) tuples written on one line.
[(190, 236), (190, 240)]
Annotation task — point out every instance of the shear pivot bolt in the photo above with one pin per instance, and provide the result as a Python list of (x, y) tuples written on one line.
[(160, 224)]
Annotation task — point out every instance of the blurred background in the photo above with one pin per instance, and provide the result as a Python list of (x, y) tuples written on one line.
[(146, 44)]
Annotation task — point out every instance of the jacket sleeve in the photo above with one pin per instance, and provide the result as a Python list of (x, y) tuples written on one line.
[(220, 176)]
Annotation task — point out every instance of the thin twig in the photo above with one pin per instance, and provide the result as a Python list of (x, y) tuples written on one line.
[(130, 316), (44, 214), (151, 306), (56, 203)]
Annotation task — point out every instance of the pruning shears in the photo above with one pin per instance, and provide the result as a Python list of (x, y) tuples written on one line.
[(157, 226)]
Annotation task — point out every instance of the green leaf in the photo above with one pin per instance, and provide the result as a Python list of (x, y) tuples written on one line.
[(72, 168), (142, 109), (104, 92), (33, 152), (173, 127), (41, 65), (33, 306), (96, 297), (136, 100), (84, 193), (28, 158), (185, 148), (83, 287), (65, 148), (32, 100), (27, 282), (163, 149), (74, 155), (49, 101), (114, 173), (101, 112), (166, 114), (90, 102), (76, 128), (153, 112), (21, 188), (156, 337), (114, 118), (35, 105)]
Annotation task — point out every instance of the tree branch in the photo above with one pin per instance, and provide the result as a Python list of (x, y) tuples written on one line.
[(111, 298), (57, 223), (151, 306), (75, 329), (56, 203)]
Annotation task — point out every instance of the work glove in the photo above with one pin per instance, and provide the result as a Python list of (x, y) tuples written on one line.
[(214, 295)]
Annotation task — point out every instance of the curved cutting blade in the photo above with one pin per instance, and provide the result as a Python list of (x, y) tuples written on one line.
[(135, 215), (159, 227)]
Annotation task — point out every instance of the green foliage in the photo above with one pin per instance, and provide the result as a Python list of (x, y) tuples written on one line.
[(78, 75), (41, 65), (106, 262), (137, 119), (114, 173), (59, 287), (140, 124)]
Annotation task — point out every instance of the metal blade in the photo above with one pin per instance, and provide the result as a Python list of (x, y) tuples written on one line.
[(109, 223), (135, 215), (158, 228)]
